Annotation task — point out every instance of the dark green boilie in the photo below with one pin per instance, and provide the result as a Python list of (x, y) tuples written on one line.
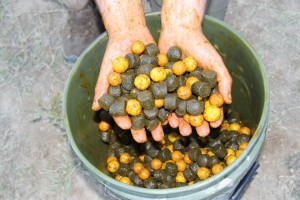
[(174, 54), (124, 169), (114, 91), (195, 107), (105, 135), (118, 108), (135, 179), (172, 82), (181, 108), (189, 174), (137, 122), (151, 49), (171, 169), (151, 124), (128, 79), (163, 114), (134, 93), (171, 102), (164, 155), (146, 99), (151, 113), (133, 59), (144, 69), (220, 150), (201, 89), (210, 77), (159, 90), (147, 59), (150, 183), (169, 65), (105, 101)]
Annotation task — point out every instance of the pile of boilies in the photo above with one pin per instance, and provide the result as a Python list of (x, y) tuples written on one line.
[(176, 160), (148, 85)]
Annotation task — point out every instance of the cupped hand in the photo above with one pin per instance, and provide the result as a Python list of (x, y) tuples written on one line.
[(119, 44), (193, 43)]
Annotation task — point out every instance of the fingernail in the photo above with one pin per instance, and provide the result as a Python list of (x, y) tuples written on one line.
[(230, 97), (96, 106), (157, 138), (139, 138)]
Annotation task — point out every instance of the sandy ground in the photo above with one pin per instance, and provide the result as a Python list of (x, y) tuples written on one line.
[(36, 160)]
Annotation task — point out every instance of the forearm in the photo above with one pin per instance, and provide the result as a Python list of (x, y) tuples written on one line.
[(122, 16), (182, 14)]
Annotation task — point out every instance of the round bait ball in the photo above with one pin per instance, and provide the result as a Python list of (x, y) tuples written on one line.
[(133, 107), (113, 166), (196, 120), (216, 99), (104, 126), (158, 103), (142, 82), (190, 81), (162, 59), (203, 173), (212, 113), (217, 168), (138, 47), (245, 130), (184, 92), (120, 64), (158, 74), (114, 79), (179, 68), (191, 63)]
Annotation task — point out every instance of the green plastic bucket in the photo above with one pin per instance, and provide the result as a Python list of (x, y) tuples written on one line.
[(250, 98)]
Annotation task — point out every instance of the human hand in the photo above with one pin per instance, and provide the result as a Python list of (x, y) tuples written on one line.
[(119, 45), (125, 23), (181, 26)]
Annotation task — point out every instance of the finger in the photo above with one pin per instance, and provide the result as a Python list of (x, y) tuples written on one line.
[(158, 133), (102, 83), (224, 79), (203, 130), (216, 124), (139, 135), (165, 122), (207, 57), (224, 83), (123, 122), (173, 120), (100, 88), (185, 128), (112, 51), (162, 44)]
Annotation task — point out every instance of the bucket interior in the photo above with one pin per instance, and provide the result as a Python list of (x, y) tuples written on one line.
[(82, 123)]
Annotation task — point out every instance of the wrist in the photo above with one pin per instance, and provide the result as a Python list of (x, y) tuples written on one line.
[(182, 15), (127, 30), (122, 16)]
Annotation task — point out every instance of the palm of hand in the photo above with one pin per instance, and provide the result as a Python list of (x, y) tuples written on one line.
[(194, 43), (117, 46)]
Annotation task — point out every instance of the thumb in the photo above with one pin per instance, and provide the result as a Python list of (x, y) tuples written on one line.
[(101, 85), (224, 84), (164, 43), (208, 58)]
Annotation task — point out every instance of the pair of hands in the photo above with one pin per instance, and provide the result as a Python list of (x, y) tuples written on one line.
[(181, 26), (192, 43)]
